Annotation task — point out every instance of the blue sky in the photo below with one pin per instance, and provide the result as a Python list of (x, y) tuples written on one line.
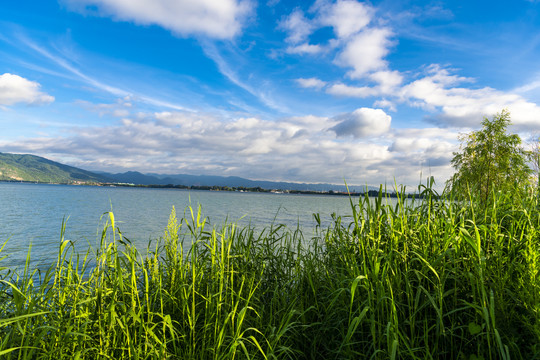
[(307, 91)]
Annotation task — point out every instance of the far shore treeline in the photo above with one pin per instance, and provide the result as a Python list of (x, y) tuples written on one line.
[(258, 189), (370, 193)]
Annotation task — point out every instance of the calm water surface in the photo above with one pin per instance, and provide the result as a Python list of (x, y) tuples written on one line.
[(33, 214)]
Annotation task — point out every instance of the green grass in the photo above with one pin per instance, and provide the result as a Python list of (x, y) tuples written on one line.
[(428, 279)]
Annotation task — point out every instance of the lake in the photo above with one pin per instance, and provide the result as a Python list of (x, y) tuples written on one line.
[(33, 214)]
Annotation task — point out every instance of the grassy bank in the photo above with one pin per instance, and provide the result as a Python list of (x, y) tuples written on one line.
[(419, 280)]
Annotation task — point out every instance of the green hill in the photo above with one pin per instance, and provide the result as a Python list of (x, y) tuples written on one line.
[(16, 167)]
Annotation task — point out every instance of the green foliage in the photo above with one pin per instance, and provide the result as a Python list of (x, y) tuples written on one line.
[(490, 160), (422, 279), (534, 157)]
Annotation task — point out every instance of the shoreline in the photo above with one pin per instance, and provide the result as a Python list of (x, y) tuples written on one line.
[(370, 193)]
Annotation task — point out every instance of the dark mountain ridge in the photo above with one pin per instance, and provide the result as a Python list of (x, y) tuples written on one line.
[(137, 178)]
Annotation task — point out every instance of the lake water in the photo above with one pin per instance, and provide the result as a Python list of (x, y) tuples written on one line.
[(33, 213)]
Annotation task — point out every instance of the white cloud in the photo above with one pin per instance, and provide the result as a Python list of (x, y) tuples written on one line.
[(388, 81), (428, 151), (443, 93), (360, 46), (352, 91), (385, 103), (415, 140), (439, 91), (118, 109), (221, 19), (346, 17), (362, 122), (298, 27), (311, 83), (531, 86), (304, 49), (365, 52), (15, 89)]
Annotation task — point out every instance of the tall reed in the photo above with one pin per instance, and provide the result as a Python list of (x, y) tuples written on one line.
[(427, 278)]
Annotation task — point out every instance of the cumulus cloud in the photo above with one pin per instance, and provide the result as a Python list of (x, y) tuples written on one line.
[(297, 27), (435, 141), (387, 81), (365, 52), (452, 100), (311, 83), (439, 91), (429, 149), (361, 44), (362, 122), (346, 17), (15, 89), (217, 19), (385, 103)]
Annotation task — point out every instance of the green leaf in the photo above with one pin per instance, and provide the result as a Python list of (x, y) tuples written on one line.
[(474, 328)]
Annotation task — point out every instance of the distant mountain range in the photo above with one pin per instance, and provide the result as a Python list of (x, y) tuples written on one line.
[(15, 167), (138, 178)]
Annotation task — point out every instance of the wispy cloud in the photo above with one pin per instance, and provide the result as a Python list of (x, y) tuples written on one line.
[(530, 86), (66, 64), (226, 70)]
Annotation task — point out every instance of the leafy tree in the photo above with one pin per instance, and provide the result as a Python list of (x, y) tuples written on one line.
[(490, 160), (534, 157)]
